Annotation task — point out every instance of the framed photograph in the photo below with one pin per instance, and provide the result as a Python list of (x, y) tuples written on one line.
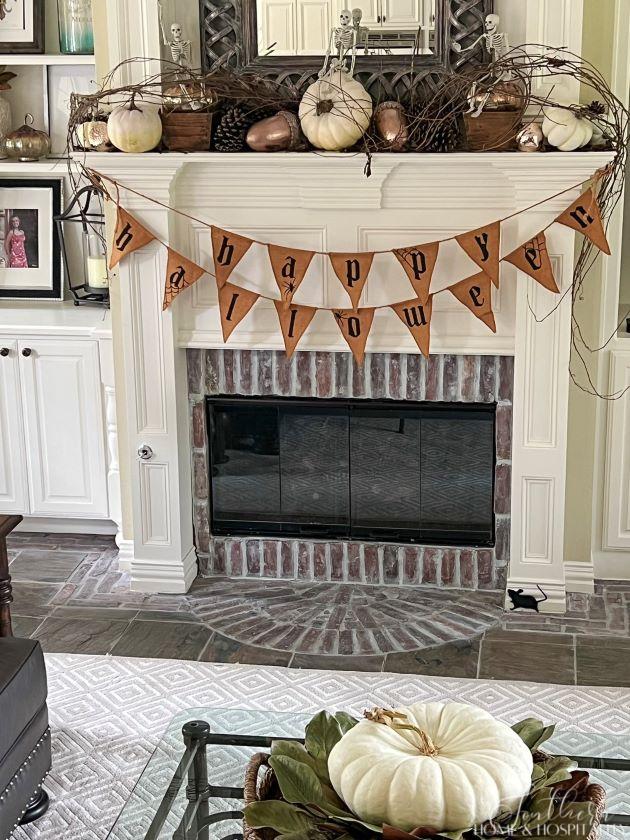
[(30, 254), (63, 81), (21, 26)]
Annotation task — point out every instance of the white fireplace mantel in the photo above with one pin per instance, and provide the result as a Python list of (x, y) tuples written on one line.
[(325, 202)]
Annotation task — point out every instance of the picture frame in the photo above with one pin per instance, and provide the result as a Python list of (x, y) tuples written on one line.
[(30, 252), (22, 26)]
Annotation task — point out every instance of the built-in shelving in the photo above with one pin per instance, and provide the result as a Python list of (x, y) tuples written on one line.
[(44, 60)]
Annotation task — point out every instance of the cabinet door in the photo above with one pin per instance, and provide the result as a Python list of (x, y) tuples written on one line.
[(313, 26), (401, 14), (276, 27), (370, 8), (63, 419), (617, 486), (13, 486)]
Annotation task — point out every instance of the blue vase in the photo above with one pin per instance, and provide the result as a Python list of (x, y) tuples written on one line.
[(76, 33)]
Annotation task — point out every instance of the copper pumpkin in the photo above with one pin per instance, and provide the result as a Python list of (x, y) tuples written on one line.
[(391, 126), (280, 133)]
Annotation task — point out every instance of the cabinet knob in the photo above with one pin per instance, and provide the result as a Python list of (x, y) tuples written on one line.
[(378, 19), (27, 352), (4, 351)]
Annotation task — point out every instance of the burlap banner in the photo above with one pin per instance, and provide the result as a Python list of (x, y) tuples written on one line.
[(294, 321), (533, 259), (228, 249), (129, 235), (355, 326), (476, 293), (584, 216), (419, 262), (234, 304), (180, 274), (289, 266), (416, 316), (483, 246), (352, 270)]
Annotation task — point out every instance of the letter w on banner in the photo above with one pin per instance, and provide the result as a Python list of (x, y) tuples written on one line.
[(128, 237), (180, 274), (355, 326), (584, 216), (352, 270), (289, 267), (228, 249), (533, 259), (234, 304), (419, 262), (483, 247), (476, 293), (416, 316)]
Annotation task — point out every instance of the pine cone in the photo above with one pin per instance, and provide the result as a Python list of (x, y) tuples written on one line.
[(439, 133), (233, 125)]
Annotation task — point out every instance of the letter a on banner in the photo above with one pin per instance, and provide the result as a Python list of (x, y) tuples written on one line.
[(355, 326), (180, 274), (228, 249), (483, 247), (234, 304), (289, 267), (476, 293), (352, 270), (419, 262), (533, 259), (416, 316), (294, 321), (584, 216), (128, 237)]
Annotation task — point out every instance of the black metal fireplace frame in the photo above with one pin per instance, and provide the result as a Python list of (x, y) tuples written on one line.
[(338, 531)]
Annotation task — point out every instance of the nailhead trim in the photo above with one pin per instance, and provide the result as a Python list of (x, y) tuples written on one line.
[(20, 770)]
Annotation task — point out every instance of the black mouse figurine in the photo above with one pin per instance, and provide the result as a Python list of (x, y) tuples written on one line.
[(526, 602)]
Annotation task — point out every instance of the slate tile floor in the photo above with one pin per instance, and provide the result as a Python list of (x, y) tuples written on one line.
[(69, 593)]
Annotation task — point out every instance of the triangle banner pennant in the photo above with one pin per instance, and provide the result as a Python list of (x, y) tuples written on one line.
[(228, 249), (584, 216), (352, 270), (355, 326), (533, 259), (419, 262), (476, 293), (234, 304), (294, 321), (416, 316), (180, 274), (483, 246), (128, 237), (289, 267)]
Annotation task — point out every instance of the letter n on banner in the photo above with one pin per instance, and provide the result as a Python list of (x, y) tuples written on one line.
[(584, 216), (128, 237), (533, 259), (416, 316), (352, 270), (476, 293), (180, 274), (289, 267), (294, 321), (234, 304), (483, 247), (419, 262), (228, 249), (355, 326)]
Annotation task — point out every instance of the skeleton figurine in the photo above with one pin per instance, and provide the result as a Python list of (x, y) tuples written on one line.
[(363, 33), (344, 40), (497, 45), (180, 48)]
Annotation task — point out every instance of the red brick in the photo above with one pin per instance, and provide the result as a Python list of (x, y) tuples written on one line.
[(506, 378), (319, 561), (395, 377), (283, 374), (376, 362), (448, 567), (414, 377), (245, 379), (304, 562), (470, 371), (390, 564), (485, 566), (253, 558), (410, 570), (370, 563), (430, 558), (236, 559), (305, 386), (200, 475), (358, 377), (354, 562), (202, 528), (286, 554), (194, 363), (324, 374), (450, 379), (434, 389), (213, 365), (228, 371), (502, 540), (342, 370), (502, 488), (270, 559), (504, 432), (466, 569), (218, 557), (336, 561), (487, 379), (199, 425), (265, 372)]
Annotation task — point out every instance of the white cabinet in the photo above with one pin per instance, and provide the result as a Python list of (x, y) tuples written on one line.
[(52, 450), (617, 489), (313, 26), (276, 27), (400, 14), (370, 9), (13, 484)]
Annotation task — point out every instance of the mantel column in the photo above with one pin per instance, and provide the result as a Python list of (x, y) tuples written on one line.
[(157, 405)]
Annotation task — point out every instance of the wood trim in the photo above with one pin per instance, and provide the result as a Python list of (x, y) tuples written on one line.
[(7, 524)]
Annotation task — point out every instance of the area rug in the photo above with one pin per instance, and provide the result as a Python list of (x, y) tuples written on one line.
[(108, 713)]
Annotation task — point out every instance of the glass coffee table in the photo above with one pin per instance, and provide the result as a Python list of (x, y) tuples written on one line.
[(192, 787)]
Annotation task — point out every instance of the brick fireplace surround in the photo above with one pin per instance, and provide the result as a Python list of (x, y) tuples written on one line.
[(396, 376)]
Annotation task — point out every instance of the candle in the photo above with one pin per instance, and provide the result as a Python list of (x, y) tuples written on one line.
[(97, 272)]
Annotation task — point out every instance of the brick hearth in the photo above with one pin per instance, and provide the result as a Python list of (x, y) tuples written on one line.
[(397, 376)]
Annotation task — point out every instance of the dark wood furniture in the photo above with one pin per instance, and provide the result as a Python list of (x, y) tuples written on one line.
[(7, 524)]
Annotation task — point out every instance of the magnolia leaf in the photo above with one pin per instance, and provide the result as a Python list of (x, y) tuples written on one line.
[(281, 816), (295, 750), (346, 722), (533, 732), (541, 809), (298, 782), (321, 735)]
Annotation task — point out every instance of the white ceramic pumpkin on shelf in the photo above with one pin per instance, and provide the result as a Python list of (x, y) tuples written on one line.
[(335, 111), (565, 130), (452, 767), (135, 127)]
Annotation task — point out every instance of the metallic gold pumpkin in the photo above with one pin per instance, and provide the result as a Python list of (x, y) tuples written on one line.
[(187, 96), (27, 143), (391, 126), (530, 138), (503, 96)]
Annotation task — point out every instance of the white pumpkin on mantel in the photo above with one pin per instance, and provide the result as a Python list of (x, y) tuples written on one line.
[(565, 130), (335, 111), (456, 767), (135, 127)]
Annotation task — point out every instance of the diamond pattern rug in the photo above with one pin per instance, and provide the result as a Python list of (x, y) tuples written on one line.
[(108, 713)]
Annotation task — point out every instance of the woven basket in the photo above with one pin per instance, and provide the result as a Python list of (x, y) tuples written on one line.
[(261, 785)]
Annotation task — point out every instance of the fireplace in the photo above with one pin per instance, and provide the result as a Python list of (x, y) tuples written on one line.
[(352, 469)]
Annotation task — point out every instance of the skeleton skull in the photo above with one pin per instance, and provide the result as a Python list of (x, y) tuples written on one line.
[(492, 24), (176, 32), (345, 16), (357, 16)]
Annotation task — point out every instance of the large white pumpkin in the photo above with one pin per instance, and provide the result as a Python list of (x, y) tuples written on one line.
[(335, 111), (459, 767), (566, 131), (135, 127)]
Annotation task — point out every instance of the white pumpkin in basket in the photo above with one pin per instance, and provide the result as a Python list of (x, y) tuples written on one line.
[(135, 127), (565, 130), (432, 765), (335, 111)]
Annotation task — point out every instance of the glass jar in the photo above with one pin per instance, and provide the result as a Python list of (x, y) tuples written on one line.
[(96, 262), (76, 33)]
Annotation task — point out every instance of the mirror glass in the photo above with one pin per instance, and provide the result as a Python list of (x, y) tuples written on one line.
[(379, 27)]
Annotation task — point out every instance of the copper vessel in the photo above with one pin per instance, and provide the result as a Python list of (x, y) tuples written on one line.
[(280, 133), (391, 126)]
